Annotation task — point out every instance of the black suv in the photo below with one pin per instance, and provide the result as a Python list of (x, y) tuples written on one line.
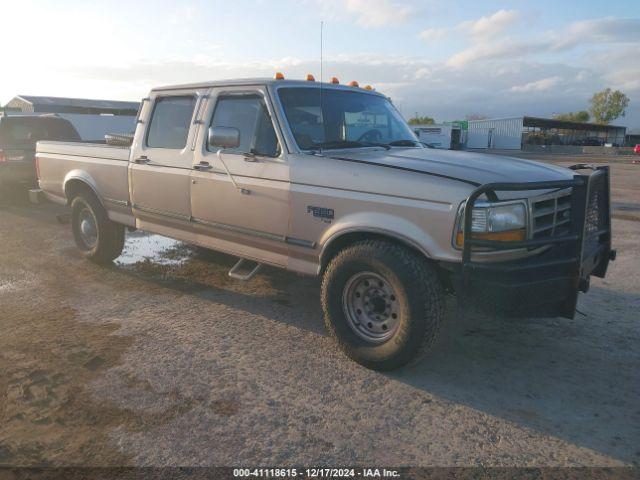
[(18, 137)]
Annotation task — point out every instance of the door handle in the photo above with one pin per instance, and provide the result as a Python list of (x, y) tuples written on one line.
[(202, 166), (142, 159), (250, 157)]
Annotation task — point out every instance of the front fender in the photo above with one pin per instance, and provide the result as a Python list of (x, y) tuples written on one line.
[(397, 228)]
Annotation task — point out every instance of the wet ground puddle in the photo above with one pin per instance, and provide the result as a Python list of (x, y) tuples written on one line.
[(145, 247)]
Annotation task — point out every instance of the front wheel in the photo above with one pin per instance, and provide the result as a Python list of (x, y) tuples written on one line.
[(98, 238), (383, 303)]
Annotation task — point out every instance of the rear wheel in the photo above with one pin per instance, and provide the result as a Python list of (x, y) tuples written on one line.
[(98, 238), (383, 303)]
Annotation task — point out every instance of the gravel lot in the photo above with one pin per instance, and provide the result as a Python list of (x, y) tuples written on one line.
[(161, 359)]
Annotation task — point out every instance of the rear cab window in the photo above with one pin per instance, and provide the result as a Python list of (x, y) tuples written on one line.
[(170, 122)]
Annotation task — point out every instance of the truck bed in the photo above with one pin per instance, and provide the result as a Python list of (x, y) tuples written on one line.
[(104, 168), (86, 149)]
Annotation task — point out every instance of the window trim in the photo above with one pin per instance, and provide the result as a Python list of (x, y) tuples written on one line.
[(158, 100), (245, 94)]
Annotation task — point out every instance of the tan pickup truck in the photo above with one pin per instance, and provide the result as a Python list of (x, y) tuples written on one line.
[(328, 179)]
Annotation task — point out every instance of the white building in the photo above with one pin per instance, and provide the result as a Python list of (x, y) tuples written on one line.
[(529, 133), (446, 136), (500, 133), (91, 118)]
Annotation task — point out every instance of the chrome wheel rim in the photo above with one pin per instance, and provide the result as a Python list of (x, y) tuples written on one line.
[(88, 228), (371, 307)]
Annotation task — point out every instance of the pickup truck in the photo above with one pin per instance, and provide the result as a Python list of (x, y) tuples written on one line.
[(19, 134), (328, 180)]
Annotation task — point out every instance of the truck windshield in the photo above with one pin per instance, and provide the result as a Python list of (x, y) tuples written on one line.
[(345, 119)]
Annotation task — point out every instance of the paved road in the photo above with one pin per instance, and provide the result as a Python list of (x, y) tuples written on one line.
[(161, 359)]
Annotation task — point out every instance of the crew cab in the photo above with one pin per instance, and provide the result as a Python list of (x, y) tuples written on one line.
[(329, 180), (19, 134)]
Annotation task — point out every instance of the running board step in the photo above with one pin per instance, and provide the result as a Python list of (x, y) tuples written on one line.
[(244, 269)]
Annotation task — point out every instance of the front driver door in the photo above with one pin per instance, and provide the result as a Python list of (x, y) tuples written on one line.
[(252, 221)]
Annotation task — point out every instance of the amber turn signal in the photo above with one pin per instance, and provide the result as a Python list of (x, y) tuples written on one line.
[(507, 236)]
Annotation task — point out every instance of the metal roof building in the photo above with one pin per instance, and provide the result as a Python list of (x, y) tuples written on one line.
[(38, 104), (528, 132)]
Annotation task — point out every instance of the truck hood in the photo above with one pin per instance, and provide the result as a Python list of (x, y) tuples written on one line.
[(474, 168)]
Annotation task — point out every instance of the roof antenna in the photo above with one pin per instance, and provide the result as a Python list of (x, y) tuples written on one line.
[(321, 80)]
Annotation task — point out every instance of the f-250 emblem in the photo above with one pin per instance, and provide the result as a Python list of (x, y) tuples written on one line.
[(321, 212)]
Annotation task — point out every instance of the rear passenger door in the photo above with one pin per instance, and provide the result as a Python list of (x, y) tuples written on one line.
[(162, 158)]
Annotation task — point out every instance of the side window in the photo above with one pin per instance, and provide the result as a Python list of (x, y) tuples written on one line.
[(249, 115), (170, 122)]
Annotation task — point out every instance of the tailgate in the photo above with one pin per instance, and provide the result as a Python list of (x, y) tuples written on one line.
[(19, 155)]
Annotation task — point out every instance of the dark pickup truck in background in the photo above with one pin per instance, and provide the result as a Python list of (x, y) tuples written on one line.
[(19, 134)]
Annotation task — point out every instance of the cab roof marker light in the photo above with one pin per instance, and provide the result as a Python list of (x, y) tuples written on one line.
[(279, 76), (353, 84), (335, 80), (368, 87), (310, 78)]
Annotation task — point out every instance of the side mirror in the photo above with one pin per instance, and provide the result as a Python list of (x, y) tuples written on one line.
[(223, 137)]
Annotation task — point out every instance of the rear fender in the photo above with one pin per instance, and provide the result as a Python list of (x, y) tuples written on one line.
[(79, 179)]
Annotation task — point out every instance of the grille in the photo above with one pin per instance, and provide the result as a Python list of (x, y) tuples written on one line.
[(551, 214), (596, 218)]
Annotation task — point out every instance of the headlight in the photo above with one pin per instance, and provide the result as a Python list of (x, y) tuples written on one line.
[(494, 221)]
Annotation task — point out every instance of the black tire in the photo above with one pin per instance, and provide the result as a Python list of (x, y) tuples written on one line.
[(109, 236), (417, 291)]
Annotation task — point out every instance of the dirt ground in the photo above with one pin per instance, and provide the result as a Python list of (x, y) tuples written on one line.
[(161, 359)]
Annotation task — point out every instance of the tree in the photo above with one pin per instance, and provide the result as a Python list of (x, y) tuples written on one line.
[(417, 120), (608, 105), (582, 116)]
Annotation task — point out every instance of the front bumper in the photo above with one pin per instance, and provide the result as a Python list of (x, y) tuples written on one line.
[(547, 284)]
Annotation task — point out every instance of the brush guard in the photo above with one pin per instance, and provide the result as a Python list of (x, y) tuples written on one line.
[(546, 284)]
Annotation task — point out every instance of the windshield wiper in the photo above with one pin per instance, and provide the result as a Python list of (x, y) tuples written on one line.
[(404, 143), (334, 144)]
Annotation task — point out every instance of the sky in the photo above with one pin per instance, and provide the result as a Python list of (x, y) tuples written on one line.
[(445, 59)]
